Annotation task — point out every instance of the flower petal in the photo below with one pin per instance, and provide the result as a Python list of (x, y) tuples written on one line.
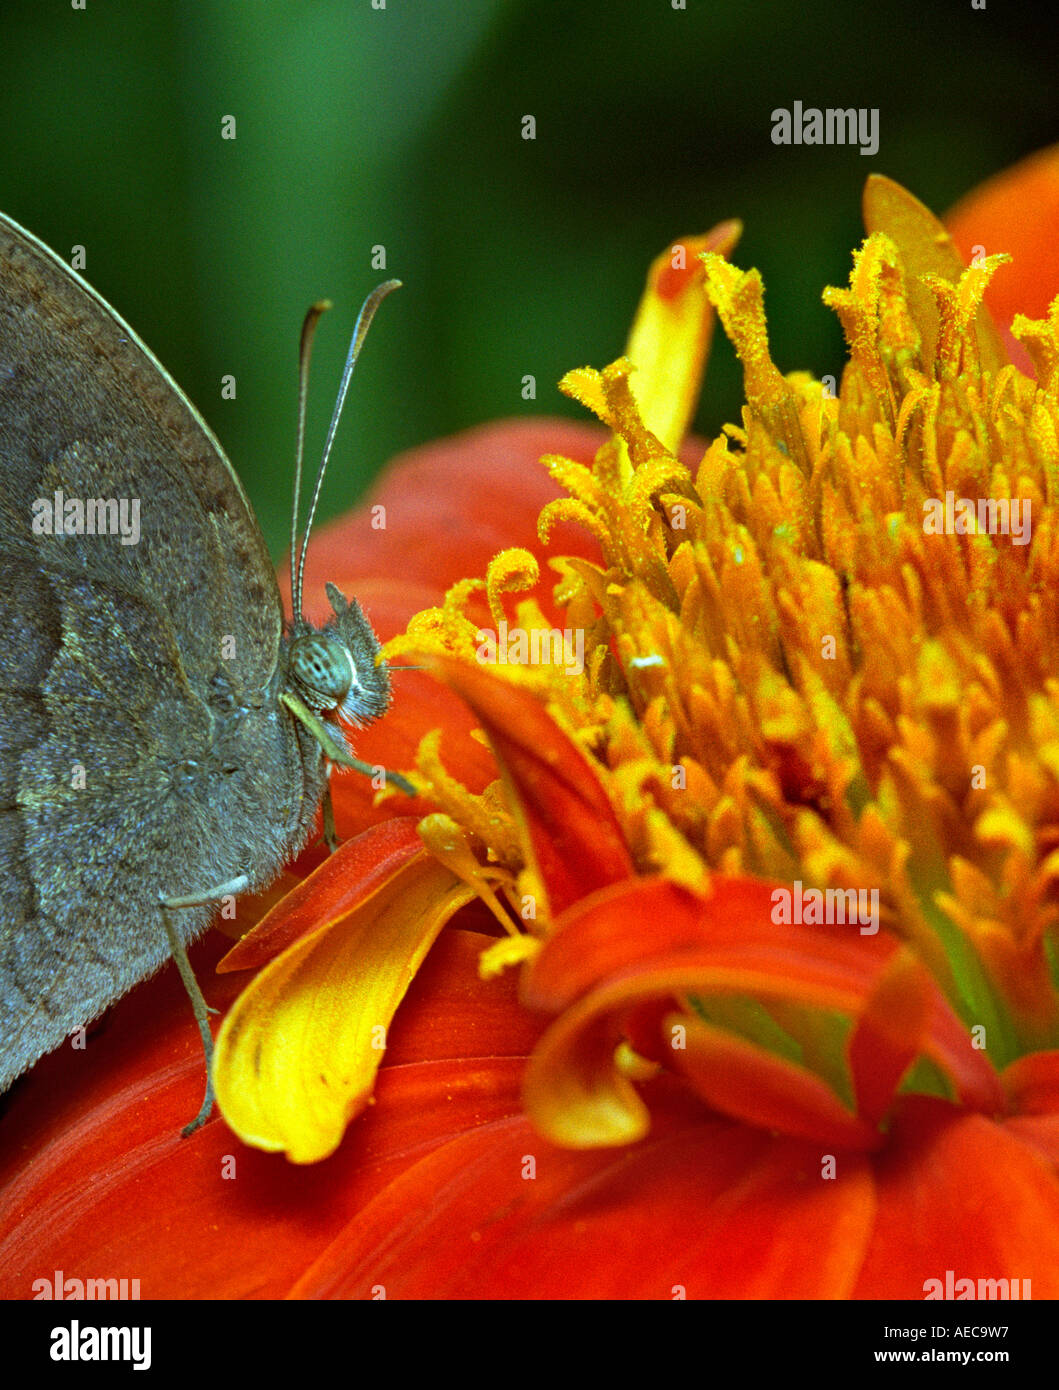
[(569, 829), (358, 869), (749, 1083), (448, 507), (1033, 1083), (1016, 211), (724, 1212), (958, 1192), (671, 333), (652, 924), (94, 1168), (297, 1055), (890, 1033), (926, 249), (649, 940), (1040, 1132)]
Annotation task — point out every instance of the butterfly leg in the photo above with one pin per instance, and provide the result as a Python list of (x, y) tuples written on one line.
[(336, 750), (330, 833), (393, 778), (199, 1006)]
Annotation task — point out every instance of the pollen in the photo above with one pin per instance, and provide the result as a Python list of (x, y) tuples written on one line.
[(804, 658)]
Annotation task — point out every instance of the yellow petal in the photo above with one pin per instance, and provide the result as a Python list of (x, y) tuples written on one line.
[(297, 1055), (671, 333), (926, 249)]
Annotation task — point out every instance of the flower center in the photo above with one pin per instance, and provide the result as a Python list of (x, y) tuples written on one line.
[(827, 655)]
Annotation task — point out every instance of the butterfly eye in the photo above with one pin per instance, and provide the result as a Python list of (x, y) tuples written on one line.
[(322, 670)]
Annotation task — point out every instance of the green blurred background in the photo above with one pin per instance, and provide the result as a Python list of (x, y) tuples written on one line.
[(402, 126)]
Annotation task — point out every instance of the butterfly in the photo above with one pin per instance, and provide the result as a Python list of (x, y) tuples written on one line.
[(165, 740)]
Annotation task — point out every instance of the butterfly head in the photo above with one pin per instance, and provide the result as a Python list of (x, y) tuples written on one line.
[(336, 669)]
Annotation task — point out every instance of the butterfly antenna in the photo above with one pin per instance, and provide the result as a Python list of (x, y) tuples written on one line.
[(305, 351), (364, 318)]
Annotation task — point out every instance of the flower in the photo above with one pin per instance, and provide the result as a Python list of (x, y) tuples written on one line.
[(794, 670), (804, 672)]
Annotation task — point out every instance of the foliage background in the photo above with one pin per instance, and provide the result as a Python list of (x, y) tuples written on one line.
[(402, 126)]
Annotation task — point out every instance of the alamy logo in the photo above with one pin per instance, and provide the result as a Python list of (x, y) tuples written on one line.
[(87, 516), (826, 906), (976, 1288), (965, 516), (77, 1343), (540, 646), (833, 126), (76, 1289)]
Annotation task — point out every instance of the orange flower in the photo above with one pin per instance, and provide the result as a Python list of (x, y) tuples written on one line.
[(772, 682)]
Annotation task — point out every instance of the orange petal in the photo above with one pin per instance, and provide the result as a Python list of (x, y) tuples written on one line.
[(615, 953), (297, 1055), (448, 507), (1040, 1132), (569, 829), (958, 1192), (1017, 211), (653, 925), (906, 1015), (347, 878), (746, 1082), (1033, 1083), (890, 1033), (623, 925), (574, 1091), (703, 1211)]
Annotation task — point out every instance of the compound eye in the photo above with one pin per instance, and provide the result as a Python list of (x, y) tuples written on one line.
[(322, 670)]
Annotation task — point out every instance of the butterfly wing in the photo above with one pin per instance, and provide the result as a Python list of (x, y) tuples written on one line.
[(142, 749)]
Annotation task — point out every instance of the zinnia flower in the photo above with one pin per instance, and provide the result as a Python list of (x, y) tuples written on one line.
[(809, 676)]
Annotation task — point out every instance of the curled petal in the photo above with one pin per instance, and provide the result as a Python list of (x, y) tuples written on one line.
[(574, 1092), (749, 1083), (569, 829), (631, 924), (612, 959), (357, 870), (652, 924)]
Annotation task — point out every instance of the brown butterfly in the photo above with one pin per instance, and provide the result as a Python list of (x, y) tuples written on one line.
[(164, 742)]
